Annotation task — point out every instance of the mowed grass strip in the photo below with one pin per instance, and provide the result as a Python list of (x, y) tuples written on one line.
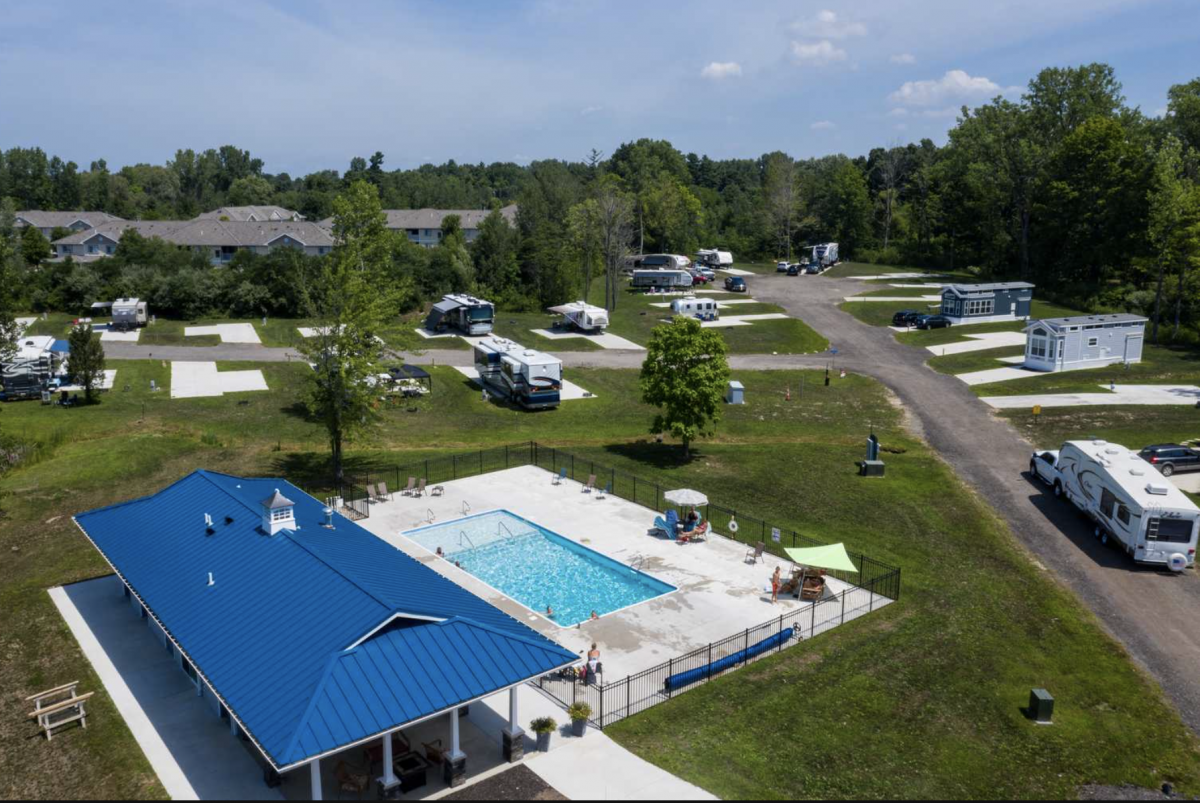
[(920, 699)]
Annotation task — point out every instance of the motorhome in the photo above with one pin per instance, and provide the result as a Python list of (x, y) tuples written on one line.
[(467, 314), (530, 378), (1129, 502), (664, 279), (714, 257), (38, 364), (691, 307), (583, 316)]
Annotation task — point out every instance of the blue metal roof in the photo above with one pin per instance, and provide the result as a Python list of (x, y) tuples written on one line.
[(273, 634)]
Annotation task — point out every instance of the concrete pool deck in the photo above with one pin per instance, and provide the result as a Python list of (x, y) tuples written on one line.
[(718, 594)]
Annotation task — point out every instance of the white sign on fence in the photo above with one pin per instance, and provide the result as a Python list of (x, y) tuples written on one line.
[(775, 534)]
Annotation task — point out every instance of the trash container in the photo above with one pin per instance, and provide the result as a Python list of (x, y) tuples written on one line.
[(735, 393)]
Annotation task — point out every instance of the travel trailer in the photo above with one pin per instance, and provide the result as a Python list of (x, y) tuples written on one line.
[(665, 279), (583, 316), (825, 255), (714, 257), (467, 314), (129, 313), (1128, 501), (529, 378), (691, 307)]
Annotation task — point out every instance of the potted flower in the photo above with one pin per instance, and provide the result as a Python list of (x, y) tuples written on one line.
[(543, 727), (579, 713)]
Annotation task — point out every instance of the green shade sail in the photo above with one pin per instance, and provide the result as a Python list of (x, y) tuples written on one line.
[(823, 557)]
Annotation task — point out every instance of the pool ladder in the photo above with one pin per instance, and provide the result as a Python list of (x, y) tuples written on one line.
[(502, 526), (462, 534), (466, 508)]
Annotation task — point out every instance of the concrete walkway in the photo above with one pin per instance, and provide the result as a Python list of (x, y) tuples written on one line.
[(1182, 395), (980, 342), (604, 340), (597, 768), (997, 375), (894, 298)]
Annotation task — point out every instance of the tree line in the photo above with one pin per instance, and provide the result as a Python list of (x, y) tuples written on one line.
[(1066, 186)]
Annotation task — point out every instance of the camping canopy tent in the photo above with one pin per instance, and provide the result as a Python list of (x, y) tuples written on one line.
[(412, 372), (832, 556)]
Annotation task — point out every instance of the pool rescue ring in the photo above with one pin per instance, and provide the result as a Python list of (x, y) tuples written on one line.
[(733, 526)]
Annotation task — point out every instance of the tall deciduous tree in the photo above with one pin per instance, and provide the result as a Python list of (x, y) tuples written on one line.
[(351, 300), (781, 200), (86, 362), (1168, 198), (614, 218), (684, 375)]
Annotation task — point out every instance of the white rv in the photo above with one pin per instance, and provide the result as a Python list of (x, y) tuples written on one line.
[(825, 255), (530, 378), (691, 307), (714, 257), (583, 316), (1129, 501), (129, 313), (664, 279)]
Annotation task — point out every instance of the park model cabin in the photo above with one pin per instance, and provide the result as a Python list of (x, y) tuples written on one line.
[(825, 255), (529, 378), (129, 313), (467, 314), (1084, 341), (987, 303), (583, 316), (1130, 501), (691, 307), (714, 257), (37, 363), (662, 279)]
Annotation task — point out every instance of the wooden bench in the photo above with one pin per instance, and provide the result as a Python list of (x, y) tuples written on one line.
[(57, 707)]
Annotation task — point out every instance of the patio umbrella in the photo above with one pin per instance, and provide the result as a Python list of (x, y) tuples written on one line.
[(686, 497), (822, 557)]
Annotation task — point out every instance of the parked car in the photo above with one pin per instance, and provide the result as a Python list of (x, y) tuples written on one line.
[(698, 277), (793, 269), (1044, 466), (933, 322), (1171, 457), (735, 284), (707, 273), (781, 266), (813, 267), (905, 317)]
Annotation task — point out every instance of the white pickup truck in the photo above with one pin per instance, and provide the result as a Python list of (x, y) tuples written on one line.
[(1044, 466)]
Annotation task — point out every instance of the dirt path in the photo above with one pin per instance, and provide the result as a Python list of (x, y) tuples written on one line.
[(1156, 615)]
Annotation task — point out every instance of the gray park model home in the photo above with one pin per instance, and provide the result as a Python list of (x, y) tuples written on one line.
[(1084, 341), (987, 303)]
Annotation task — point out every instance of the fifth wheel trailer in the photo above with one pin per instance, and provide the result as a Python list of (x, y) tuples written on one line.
[(583, 316), (1130, 502)]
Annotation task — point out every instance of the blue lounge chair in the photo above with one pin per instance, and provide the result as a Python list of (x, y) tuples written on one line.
[(562, 475), (660, 526), (672, 524)]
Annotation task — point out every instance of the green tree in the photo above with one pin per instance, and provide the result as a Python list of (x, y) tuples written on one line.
[(848, 208), (351, 302), (684, 375), (781, 200), (673, 215), (8, 281), (494, 254), (1183, 111), (250, 191), (1168, 196), (34, 246), (86, 363)]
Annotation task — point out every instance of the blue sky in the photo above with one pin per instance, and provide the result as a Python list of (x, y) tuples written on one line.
[(308, 85)]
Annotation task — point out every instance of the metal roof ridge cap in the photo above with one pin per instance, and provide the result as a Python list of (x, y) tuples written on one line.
[(205, 473), (115, 505), (291, 536), (466, 620), (292, 744)]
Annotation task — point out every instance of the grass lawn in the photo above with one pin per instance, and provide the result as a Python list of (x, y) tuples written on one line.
[(1160, 365), (910, 292), (919, 700), (974, 360)]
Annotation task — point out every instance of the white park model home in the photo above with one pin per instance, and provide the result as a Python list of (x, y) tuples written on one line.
[(1084, 341)]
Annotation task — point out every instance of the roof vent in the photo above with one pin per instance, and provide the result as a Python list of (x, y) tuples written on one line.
[(1099, 441), (1137, 472), (208, 524), (1112, 450), (211, 583), (1156, 489)]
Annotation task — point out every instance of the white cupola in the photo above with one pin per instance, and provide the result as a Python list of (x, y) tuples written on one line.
[(279, 513)]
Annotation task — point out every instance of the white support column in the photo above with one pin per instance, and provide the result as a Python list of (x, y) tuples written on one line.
[(315, 772), (389, 770), (513, 727), (455, 751)]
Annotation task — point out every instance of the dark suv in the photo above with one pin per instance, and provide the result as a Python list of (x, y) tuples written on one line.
[(735, 284), (933, 322), (905, 317), (1171, 457)]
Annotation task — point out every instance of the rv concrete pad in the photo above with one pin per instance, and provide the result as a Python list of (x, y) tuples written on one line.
[(191, 380), (1189, 482), (569, 391), (23, 324), (742, 320), (110, 335), (229, 332), (106, 382), (982, 342), (718, 593), (996, 375), (421, 330), (736, 271), (922, 286), (1182, 395), (604, 341), (1017, 360), (894, 298), (720, 304), (892, 276)]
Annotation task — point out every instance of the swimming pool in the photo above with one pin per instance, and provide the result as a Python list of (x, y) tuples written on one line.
[(539, 568)]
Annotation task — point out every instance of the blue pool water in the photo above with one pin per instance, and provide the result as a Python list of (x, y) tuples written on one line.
[(539, 568)]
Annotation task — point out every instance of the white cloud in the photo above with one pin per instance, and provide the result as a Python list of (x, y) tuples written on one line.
[(954, 85), (949, 111), (822, 52), (822, 125), (590, 110), (827, 25), (898, 112), (901, 126), (903, 58), (717, 70)]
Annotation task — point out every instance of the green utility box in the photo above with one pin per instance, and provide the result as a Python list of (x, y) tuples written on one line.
[(1041, 706), (870, 468)]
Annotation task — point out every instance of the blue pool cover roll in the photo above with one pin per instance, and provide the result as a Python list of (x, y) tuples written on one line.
[(679, 680)]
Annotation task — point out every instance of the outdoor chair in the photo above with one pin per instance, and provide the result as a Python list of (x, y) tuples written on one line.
[(434, 751), (351, 779), (605, 491), (371, 497), (591, 484), (672, 524), (420, 489), (562, 475), (660, 526), (384, 493), (408, 489), (698, 533), (756, 554)]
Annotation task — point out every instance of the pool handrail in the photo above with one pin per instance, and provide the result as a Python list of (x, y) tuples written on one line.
[(501, 525), (463, 534), (466, 508)]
